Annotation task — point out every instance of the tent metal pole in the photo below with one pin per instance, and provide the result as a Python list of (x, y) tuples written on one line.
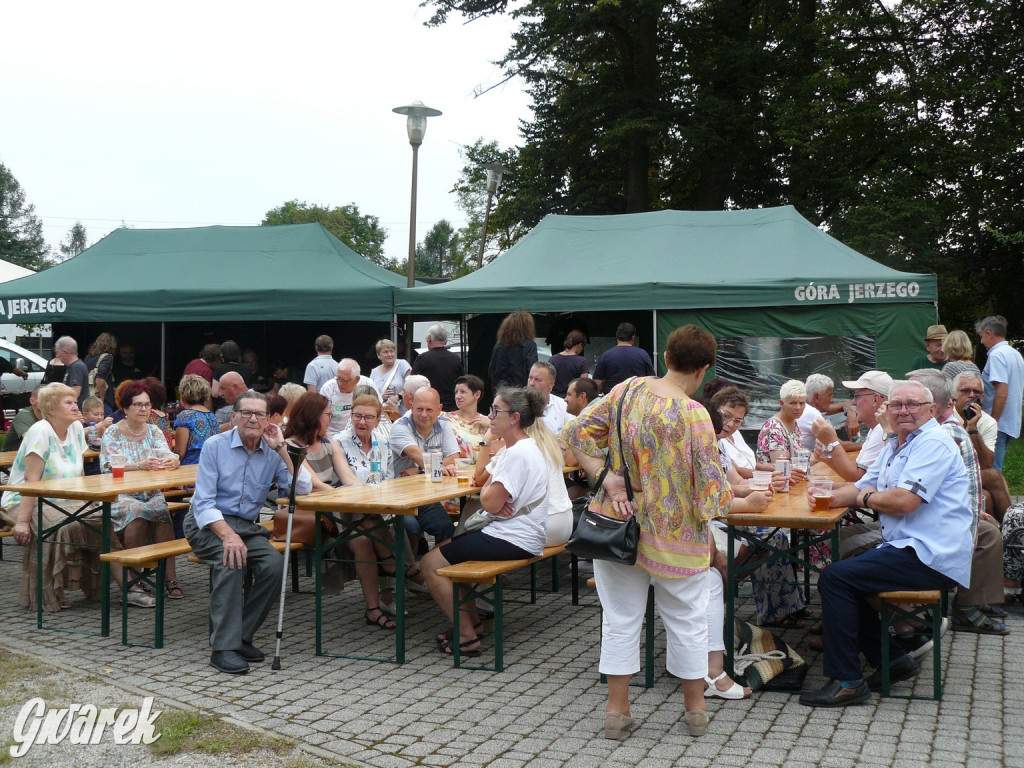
[(654, 343), (163, 351), (394, 330)]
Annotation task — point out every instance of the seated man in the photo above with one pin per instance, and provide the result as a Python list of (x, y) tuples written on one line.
[(413, 437), (983, 431), (231, 386), (919, 488), (236, 470)]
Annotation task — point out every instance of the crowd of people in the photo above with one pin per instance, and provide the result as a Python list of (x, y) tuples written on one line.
[(928, 467)]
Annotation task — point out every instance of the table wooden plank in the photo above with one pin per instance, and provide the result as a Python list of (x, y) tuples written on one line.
[(106, 487), (402, 495), (789, 510)]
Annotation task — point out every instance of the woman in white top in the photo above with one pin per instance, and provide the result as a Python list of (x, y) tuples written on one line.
[(515, 494), (389, 376), (733, 405)]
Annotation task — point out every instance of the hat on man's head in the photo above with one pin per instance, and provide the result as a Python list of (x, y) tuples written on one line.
[(936, 333), (876, 381)]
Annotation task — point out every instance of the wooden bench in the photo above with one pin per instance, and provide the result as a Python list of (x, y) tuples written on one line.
[(177, 506), (150, 565), (483, 579), (4, 535), (927, 608)]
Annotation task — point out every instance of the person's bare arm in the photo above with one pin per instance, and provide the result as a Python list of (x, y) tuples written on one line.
[(34, 466), (999, 399)]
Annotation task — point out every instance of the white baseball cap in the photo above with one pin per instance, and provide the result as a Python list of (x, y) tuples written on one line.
[(876, 381)]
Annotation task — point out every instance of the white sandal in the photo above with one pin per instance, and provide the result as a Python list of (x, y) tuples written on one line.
[(735, 691)]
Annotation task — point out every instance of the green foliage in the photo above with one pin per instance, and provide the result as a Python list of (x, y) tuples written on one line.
[(1013, 467), (441, 254), (362, 233), (21, 233), (471, 191), (195, 732), (895, 126), (74, 243)]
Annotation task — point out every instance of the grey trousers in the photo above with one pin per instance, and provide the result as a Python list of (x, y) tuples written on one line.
[(233, 617)]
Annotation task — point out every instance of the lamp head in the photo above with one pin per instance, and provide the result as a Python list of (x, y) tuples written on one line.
[(416, 122)]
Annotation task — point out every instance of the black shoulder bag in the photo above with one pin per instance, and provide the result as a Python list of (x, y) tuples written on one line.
[(598, 537)]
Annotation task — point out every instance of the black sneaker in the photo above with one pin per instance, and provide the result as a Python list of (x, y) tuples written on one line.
[(229, 661), (835, 695), (902, 668), (250, 652), (915, 644)]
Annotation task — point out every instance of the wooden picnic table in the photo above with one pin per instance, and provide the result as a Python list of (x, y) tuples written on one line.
[(399, 497), (93, 490), (790, 510)]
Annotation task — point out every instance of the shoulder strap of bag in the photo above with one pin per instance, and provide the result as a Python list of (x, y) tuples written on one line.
[(622, 451), (390, 378)]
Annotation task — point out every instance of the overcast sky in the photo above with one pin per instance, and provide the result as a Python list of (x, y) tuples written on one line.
[(194, 113)]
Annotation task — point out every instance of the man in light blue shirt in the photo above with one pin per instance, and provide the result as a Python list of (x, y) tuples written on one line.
[(236, 470), (918, 486), (1003, 379), (413, 437)]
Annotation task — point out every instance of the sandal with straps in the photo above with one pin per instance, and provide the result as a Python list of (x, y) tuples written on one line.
[(383, 620), (174, 592), (967, 618), (449, 635), (445, 646)]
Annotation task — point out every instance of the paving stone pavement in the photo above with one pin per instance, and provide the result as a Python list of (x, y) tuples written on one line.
[(545, 710)]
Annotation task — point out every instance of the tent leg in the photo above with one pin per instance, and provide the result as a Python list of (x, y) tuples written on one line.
[(654, 343)]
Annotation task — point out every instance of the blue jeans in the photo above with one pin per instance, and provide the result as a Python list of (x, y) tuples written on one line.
[(432, 519), (851, 624), (1002, 443)]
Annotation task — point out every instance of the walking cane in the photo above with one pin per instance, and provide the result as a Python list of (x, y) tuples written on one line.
[(297, 454)]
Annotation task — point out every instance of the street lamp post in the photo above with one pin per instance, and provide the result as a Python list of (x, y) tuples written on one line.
[(494, 174), (416, 126)]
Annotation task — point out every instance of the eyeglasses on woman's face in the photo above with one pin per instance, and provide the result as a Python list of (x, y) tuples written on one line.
[(142, 406), (364, 417), (728, 418), (493, 413)]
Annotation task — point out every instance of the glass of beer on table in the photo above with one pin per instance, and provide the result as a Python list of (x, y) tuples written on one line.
[(821, 491)]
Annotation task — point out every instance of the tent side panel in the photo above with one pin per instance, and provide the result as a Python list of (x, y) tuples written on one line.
[(896, 328)]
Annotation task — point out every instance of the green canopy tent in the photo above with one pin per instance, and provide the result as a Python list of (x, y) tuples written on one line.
[(205, 276), (295, 272), (752, 273)]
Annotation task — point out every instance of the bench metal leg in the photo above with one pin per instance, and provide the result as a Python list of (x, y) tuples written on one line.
[(929, 614)]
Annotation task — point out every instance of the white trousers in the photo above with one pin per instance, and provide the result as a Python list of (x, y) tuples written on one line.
[(682, 605), (716, 611)]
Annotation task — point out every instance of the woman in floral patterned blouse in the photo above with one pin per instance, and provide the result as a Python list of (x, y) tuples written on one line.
[(672, 463)]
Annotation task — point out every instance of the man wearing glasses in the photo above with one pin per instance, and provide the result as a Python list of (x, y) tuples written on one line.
[(983, 431), (869, 394), (236, 470), (919, 488), (339, 392)]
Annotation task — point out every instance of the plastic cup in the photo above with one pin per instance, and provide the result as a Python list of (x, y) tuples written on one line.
[(821, 492), (117, 463), (465, 469), (761, 480), (802, 460)]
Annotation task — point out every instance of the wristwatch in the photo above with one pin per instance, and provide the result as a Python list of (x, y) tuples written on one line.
[(972, 431), (831, 447), (867, 496)]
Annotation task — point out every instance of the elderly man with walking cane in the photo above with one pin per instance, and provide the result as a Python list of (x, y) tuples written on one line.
[(236, 471)]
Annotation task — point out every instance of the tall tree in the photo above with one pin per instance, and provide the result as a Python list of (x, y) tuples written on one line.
[(471, 191), (362, 233), (21, 233), (74, 243), (895, 125), (441, 254)]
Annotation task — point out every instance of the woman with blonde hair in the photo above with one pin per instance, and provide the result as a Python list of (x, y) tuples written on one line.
[(194, 422), (959, 355), (389, 376), (515, 351)]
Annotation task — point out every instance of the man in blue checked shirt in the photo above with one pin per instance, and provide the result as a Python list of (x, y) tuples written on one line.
[(236, 470)]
